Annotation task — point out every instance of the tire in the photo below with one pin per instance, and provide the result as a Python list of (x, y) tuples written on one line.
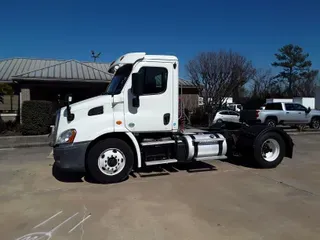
[(219, 121), (271, 122), (273, 159), (110, 161), (315, 123)]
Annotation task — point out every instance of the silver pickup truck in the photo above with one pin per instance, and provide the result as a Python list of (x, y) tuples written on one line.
[(291, 114)]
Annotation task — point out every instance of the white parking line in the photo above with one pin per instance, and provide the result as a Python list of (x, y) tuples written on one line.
[(63, 222), (79, 223), (47, 219)]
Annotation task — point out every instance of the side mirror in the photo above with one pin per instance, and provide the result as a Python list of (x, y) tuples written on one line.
[(308, 110), (137, 84), (68, 98), (70, 116)]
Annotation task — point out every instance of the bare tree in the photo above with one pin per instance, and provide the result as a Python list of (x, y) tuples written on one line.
[(5, 89), (217, 75), (264, 85), (306, 85)]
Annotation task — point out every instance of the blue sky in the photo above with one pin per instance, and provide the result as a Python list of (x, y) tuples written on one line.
[(70, 29)]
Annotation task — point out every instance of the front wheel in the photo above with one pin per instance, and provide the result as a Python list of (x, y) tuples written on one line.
[(269, 150), (110, 161), (219, 121), (315, 123)]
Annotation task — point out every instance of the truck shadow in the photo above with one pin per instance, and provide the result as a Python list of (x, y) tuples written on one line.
[(144, 172), (241, 161), (167, 169), (66, 176)]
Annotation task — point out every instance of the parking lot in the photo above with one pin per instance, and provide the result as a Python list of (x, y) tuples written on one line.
[(223, 201)]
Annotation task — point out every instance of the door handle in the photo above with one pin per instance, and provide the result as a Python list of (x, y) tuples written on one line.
[(299, 112), (166, 118), (287, 112)]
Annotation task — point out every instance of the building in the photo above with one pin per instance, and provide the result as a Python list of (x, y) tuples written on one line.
[(51, 80)]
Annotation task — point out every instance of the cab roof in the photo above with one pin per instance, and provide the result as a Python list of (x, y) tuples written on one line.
[(131, 58)]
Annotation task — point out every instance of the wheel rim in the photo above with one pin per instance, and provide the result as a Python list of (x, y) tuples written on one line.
[(316, 124), (111, 161), (270, 150), (271, 124)]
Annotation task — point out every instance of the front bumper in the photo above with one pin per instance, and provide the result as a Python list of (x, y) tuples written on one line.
[(71, 157)]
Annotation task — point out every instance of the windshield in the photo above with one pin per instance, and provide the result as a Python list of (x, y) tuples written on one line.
[(119, 80)]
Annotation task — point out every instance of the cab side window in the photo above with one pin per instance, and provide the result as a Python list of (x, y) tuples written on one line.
[(299, 107), (155, 79), (289, 107), (273, 106)]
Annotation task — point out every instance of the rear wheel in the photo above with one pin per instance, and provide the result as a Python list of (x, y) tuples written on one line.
[(110, 161), (271, 122), (269, 150)]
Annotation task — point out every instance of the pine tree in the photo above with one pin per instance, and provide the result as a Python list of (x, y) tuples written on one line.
[(296, 72)]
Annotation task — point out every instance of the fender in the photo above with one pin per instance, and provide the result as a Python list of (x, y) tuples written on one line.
[(126, 136), (248, 136), (137, 147)]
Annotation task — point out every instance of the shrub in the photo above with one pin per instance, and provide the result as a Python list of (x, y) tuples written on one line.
[(36, 117), (12, 126), (199, 117)]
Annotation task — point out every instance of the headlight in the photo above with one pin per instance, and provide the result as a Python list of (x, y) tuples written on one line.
[(67, 136)]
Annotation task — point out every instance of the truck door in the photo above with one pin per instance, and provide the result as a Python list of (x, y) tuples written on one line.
[(303, 116), (295, 113), (156, 103)]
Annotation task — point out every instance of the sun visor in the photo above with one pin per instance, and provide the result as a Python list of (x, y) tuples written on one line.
[(129, 58)]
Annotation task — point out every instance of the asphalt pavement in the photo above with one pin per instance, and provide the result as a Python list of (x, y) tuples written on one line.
[(219, 200)]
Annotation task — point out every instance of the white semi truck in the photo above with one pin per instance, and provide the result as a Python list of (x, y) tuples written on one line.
[(135, 123)]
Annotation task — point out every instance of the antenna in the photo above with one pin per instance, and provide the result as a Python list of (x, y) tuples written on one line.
[(95, 56)]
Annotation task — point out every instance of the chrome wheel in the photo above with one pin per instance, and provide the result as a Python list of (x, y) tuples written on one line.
[(270, 150), (316, 124), (111, 161), (271, 123)]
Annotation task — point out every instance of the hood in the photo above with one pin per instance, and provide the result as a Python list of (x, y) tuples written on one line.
[(91, 102), (315, 111)]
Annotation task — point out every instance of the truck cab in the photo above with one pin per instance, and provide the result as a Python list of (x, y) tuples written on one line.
[(135, 123)]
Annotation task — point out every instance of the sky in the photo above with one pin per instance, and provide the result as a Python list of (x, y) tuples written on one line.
[(71, 29)]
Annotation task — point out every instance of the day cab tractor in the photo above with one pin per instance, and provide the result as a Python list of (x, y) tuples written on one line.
[(135, 123)]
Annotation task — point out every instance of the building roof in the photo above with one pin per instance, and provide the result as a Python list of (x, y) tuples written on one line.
[(42, 69), (68, 70), (20, 69), (186, 83)]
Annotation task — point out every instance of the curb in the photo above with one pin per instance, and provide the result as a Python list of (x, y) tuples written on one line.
[(28, 145), (24, 141), (25, 145), (302, 133)]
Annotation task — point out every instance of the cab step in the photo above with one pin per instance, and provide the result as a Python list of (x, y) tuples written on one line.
[(157, 142), (211, 158), (158, 162)]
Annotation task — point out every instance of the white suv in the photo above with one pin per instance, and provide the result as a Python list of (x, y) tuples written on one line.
[(226, 116)]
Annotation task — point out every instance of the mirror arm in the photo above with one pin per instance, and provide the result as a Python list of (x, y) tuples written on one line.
[(70, 116), (136, 102)]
